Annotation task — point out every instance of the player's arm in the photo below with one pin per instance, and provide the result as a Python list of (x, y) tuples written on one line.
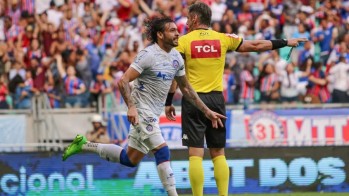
[(189, 93), (125, 91), (124, 86), (264, 45), (170, 111)]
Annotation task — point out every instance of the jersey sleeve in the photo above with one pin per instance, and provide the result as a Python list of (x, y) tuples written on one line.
[(233, 41), (181, 70), (142, 61)]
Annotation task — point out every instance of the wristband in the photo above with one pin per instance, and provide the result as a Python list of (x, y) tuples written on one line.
[(278, 43), (169, 99)]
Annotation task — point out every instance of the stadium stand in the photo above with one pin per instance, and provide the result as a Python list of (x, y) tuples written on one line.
[(98, 39)]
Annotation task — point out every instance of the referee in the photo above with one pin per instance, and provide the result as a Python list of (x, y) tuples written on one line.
[(204, 52)]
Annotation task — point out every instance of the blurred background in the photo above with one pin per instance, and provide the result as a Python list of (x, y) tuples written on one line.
[(287, 109)]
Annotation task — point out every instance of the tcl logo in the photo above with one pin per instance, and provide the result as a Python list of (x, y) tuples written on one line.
[(205, 49)]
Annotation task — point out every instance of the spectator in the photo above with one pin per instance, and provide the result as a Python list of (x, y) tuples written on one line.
[(3, 59), (17, 69), (289, 80), (280, 63), (247, 82), (28, 5), (3, 93), (99, 87), (257, 6), (47, 32), (93, 55), (218, 8), (99, 133), (24, 92), (228, 85), (245, 15), (82, 67), (276, 8), (235, 5), (317, 88), (90, 32), (291, 9), (38, 72), (306, 55), (340, 76), (54, 15), (299, 33), (59, 45), (35, 51), (14, 11), (324, 37), (268, 83), (52, 91), (116, 74), (69, 24), (74, 87)]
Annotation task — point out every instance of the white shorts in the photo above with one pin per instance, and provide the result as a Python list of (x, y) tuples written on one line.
[(145, 137)]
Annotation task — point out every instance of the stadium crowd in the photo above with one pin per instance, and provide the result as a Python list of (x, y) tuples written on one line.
[(77, 50)]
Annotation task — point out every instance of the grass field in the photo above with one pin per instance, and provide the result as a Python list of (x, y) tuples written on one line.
[(291, 194)]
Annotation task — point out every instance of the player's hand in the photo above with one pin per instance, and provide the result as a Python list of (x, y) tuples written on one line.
[(132, 115), (215, 118), (294, 42), (170, 112)]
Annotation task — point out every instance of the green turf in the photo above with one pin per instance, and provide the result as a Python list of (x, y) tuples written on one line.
[(290, 194), (125, 188)]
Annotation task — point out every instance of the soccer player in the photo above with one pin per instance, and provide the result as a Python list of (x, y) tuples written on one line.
[(204, 53), (152, 71)]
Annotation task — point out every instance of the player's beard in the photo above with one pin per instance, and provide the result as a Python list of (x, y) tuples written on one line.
[(172, 42)]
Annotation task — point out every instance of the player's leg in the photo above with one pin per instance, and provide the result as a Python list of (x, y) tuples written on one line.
[(153, 140), (216, 139), (193, 132), (162, 158), (110, 152), (134, 154)]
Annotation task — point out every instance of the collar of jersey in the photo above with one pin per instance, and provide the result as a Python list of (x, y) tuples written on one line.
[(163, 51)]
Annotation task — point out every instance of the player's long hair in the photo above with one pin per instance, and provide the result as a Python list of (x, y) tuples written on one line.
[(155, 25)]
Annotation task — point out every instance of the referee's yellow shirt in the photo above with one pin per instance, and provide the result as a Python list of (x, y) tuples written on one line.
[(204, 51)]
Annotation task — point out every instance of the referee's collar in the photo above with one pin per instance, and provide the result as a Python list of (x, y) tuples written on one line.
[(202, 28)]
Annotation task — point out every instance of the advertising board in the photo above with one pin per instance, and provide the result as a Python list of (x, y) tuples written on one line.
[(292, 127), (252, 170)]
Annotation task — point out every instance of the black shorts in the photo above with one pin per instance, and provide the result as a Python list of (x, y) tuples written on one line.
[(196, 127)]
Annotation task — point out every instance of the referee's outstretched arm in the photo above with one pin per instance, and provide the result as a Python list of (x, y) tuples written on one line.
[(264, 45)]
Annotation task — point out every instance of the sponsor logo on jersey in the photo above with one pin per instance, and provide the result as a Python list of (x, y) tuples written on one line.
[(150, 120), (165, 76), (203, 33), (205, 49)]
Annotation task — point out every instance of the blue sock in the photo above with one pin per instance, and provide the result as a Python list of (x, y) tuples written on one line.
[(162, 155), (124, 160)]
